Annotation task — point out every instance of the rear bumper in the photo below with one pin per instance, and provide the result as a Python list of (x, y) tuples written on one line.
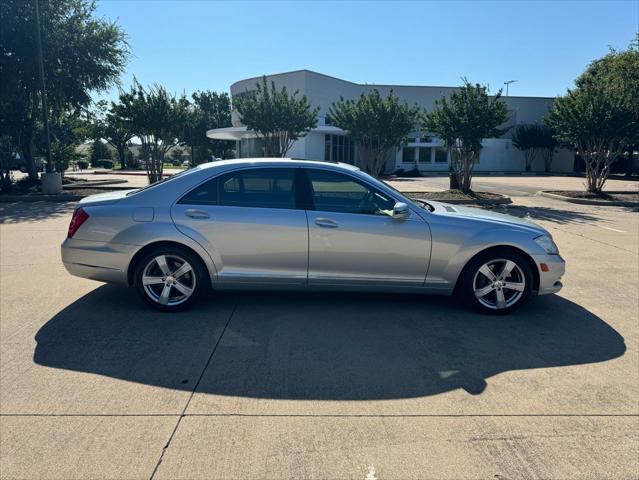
[(96, 260), (550, 281)]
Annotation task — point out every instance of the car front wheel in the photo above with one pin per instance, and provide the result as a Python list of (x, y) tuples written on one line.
[(497, 283), (170, 279)]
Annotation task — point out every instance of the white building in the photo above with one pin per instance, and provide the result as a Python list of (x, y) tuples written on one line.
[(327, 142)]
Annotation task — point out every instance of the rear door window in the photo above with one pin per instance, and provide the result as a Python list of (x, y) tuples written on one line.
[(255, 188), (204, 194)]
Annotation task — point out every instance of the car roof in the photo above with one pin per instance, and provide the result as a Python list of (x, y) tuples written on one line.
[(276, 161)]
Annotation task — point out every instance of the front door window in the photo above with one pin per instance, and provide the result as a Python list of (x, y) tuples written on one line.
[(336, 192)]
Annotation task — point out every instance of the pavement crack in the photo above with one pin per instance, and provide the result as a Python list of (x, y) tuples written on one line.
[(195, 387)]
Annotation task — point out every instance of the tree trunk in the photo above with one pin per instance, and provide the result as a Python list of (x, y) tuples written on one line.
[(467, 164), (596, 172), (453, 182), (463, 164), (364, 158), (378, 162), (122, 155), (27, 147), (631, 148), (548, 156)]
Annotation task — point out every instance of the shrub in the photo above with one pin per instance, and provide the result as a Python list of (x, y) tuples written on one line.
[(99, 151), (408, 173), (104, 163)]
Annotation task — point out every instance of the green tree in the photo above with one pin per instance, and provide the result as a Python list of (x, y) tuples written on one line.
[(118, 134), (533, 140), (618, 74), (110, 127), (275, 116), (177, 154), (376, 124), (105, 124), (462, 121), (81, 54), (599, 124), (99, 151), (157, 118), (68, 129), (209, 110)]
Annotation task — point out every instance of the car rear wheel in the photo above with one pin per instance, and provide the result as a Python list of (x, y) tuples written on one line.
[(170, 279), (497, 282)]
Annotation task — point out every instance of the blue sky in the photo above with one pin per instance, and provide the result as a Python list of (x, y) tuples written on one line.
[(194, 45)]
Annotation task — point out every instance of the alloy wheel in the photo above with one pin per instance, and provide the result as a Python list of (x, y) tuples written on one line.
[(169, 280), (499, 284)]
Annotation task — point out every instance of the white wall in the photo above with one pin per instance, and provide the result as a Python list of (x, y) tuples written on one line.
[(498, 155), (314, 146), (297, 150)]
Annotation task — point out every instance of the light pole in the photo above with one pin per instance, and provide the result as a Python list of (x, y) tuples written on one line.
[(507, 83), (50, 180), (43, 88)]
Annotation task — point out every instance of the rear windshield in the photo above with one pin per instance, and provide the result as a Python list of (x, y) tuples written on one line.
[(164, 180)]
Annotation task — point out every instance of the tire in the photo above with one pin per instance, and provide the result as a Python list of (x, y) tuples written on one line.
[(164, 282), (485, 287)]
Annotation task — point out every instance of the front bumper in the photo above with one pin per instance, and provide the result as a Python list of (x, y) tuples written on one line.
[(550, 281), (105, 262)]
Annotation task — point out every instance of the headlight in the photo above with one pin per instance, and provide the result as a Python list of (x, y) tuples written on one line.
[(545, 242)]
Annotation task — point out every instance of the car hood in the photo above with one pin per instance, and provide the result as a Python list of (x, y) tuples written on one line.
[(106, 198), (483, 215)]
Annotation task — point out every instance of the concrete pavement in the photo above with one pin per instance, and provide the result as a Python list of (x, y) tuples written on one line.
[(319, 385)]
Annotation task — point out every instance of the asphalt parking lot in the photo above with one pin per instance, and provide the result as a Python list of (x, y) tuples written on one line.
[(318, 385)]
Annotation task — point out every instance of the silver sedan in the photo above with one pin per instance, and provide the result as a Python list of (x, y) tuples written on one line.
[(287, 224)]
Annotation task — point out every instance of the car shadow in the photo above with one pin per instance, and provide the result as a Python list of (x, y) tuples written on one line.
[(19, 212), (319, 346), (563, 216)]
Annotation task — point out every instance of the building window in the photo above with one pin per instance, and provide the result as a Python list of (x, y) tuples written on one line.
[(424, 155), (339, 148), (408, 155), (327, 147), (441, 155)]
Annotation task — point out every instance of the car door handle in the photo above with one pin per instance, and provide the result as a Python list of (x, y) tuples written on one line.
[(191, 212), (325, 222)]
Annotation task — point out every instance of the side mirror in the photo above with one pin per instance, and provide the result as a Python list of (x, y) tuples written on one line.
[(401, 211)]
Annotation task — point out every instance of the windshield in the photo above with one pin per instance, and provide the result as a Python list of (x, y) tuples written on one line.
[(164, 180)]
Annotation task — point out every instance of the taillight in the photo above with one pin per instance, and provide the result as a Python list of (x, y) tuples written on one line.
[(78, 218)]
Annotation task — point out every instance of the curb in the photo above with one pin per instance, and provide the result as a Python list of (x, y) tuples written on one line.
[(106, 188), (94, 183), (119, 172), (588, 201), (427, 174)]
